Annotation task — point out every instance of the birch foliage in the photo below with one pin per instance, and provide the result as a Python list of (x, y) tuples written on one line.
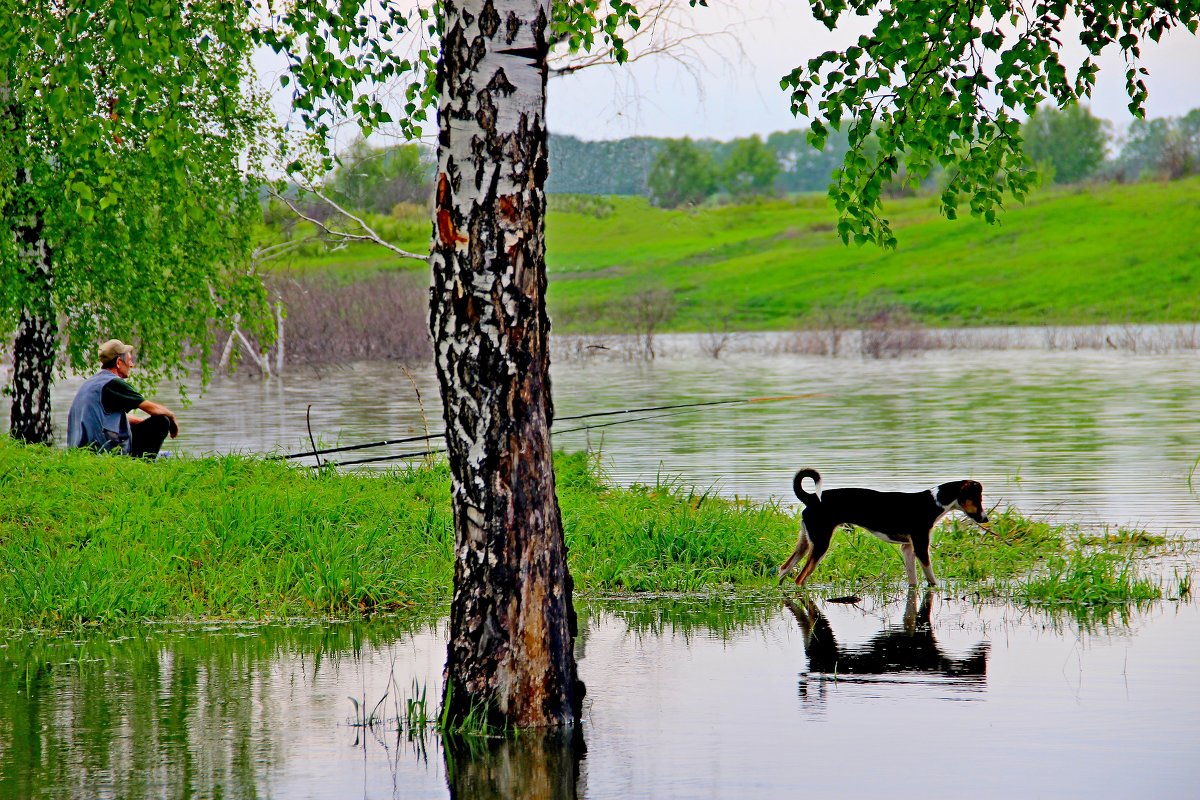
[(946, 84), (133, 141)]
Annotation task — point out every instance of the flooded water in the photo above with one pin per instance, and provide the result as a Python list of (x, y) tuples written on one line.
[(917, 696), (1097, 437), (906, 696)]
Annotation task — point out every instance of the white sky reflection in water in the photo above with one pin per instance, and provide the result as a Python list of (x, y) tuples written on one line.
[(686, 698)]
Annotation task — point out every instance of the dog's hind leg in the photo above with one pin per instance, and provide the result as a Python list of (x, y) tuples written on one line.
[(803, 544), (910, 562), (820, 544)]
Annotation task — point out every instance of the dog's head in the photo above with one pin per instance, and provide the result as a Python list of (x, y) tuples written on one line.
[(966, 496)]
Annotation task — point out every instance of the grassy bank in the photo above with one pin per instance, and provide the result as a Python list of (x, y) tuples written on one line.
[(1099, 254), (1085, 255), (88, 539)]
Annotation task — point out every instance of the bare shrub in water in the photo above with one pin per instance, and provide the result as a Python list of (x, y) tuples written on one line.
[(717, 339), (889, 331), (809, 342), (644, 314), (823, 333), (382, 318)]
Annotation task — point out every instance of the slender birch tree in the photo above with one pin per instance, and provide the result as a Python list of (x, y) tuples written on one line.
[(512, 621)]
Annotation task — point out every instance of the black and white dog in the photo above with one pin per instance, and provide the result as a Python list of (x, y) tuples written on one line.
[(903, 518)]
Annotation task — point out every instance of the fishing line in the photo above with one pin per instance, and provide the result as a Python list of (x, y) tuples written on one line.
[(427, 437), (398, 456)]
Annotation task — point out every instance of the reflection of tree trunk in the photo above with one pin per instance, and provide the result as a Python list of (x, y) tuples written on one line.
[(528, 767), (511, 618), (37, 334)]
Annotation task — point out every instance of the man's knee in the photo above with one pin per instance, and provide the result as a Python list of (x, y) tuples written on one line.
[(158, 425), (148, 435)]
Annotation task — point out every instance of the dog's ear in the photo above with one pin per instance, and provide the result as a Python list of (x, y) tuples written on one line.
[(970, 496)]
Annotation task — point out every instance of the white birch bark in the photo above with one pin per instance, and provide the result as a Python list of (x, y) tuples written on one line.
[(36, 342), (512, 620)]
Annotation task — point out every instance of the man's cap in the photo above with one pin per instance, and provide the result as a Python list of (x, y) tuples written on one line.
[(113, 348)]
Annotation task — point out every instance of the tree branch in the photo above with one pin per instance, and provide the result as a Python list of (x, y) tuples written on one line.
[(368, 235)]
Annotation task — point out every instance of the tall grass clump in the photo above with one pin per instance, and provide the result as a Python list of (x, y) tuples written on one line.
[(1083, 578), (667, 537)]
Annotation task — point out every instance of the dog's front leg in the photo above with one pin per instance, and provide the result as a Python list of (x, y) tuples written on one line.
[(921, 550), (910, 562)]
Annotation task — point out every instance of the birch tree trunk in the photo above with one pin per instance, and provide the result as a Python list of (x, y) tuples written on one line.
[(512, 622), (33, 367), (34, 347)]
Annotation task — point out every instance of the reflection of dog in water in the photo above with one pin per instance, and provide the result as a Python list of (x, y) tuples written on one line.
[(899, 649), (903, 518)]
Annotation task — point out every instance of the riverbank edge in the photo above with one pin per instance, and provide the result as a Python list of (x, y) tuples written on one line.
[(95, 541)]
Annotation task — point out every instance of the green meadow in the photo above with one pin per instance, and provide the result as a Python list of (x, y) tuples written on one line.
[(1090, 254), (88, 539)]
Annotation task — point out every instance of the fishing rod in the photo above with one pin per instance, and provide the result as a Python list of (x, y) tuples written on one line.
[(393, 457), (349, 447), (398, 456), (427, 437), (687, 405)]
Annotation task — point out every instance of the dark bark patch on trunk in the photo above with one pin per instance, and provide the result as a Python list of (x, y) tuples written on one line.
[(489, 20), (512, 28)]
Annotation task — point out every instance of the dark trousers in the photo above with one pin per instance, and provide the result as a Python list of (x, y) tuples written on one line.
[(148, 436)]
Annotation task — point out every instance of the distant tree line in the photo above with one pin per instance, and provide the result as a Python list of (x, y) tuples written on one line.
[(675, 172), (1071, 145), (1066, 146)]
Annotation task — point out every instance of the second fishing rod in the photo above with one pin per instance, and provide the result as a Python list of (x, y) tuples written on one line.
[(571, 418)]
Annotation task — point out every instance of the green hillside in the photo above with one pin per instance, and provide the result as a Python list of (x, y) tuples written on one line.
[(1105, 253), (1111, 253)]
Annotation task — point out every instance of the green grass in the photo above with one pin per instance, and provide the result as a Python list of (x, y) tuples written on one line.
[(1107, 253), (1083, 578), (1078, 255), (101, 539), (91, 539), (410, 232)]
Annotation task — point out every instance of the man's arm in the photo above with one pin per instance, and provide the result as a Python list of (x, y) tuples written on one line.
[(158, 410)]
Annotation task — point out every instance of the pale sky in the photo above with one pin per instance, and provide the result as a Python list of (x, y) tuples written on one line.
[(738, 92), (726, 83)]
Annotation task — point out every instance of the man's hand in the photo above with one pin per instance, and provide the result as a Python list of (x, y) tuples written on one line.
[(159, 410)]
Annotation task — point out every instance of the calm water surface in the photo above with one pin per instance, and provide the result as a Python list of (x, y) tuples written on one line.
[(912, 696), (916, 696), (1094, 437)]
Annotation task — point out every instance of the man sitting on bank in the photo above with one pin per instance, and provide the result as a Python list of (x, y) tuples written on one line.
[(99, 414)]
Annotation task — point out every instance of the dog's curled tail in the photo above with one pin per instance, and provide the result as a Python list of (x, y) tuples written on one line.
[(808, 498)]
